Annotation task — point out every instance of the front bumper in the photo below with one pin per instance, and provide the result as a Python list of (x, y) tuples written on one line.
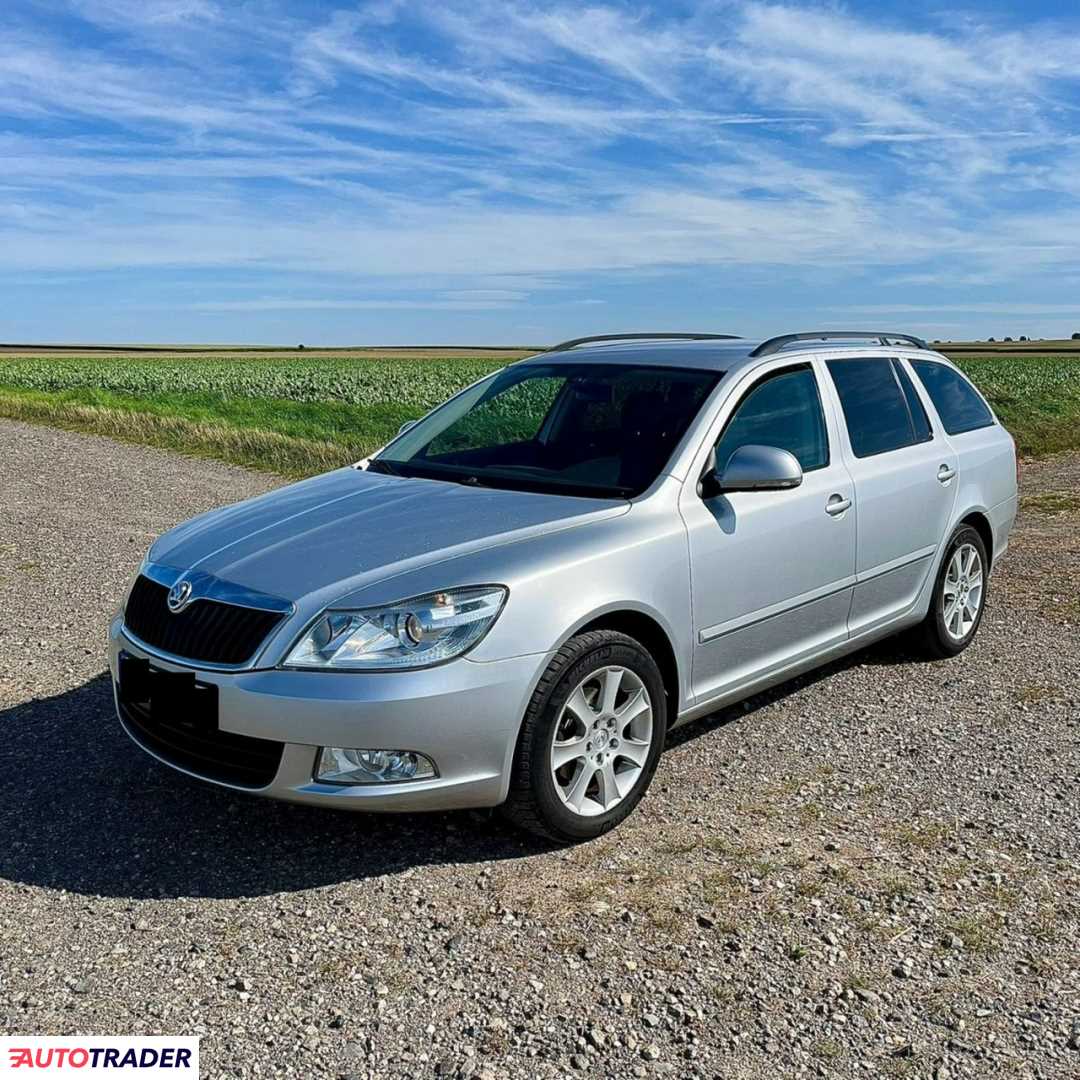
[(464, 715)]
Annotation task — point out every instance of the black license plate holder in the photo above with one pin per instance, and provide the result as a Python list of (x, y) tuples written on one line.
[(169, 697)]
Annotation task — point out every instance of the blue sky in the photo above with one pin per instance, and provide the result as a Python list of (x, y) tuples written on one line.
[(470, 172)]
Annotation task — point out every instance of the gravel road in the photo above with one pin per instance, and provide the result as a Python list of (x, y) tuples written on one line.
[(869, 872)]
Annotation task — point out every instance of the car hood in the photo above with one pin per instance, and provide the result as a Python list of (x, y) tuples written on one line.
[(345, 529)]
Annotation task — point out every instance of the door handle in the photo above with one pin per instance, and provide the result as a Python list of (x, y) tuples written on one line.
[(837, 504), (946, 473)]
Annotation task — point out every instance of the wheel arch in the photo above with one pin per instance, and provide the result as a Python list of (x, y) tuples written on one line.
[(978, 520), (647, 630)]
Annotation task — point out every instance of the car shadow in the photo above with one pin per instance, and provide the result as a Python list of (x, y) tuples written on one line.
[(891, 652), (83, 809)]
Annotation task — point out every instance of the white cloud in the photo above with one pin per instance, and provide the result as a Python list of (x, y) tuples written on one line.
[(269, 303), (481, 139), (127, 13), (480, 296), (1000, 307), (646, 54)]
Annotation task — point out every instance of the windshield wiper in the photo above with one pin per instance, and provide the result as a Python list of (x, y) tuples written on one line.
[(500, 481), (408, 469), (378, 465), (468, 479), (538, 485)]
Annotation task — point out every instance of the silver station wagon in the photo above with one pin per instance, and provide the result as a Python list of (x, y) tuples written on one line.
[(514, 601)]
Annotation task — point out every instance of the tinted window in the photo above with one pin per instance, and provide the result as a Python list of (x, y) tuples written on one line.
[(601, 430), (874, 406), (783, 411), (919, 419), (511, 417), (960, 408)]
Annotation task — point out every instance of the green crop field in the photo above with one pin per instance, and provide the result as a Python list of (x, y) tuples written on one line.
[(1036, 397), (297, 414), (294, 415)]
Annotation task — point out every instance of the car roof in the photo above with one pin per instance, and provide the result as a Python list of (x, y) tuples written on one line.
[(726, 356)]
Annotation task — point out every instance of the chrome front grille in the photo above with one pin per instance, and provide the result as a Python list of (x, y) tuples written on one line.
[(207, 630)]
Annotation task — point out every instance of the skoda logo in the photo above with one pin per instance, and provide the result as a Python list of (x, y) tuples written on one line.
[(179, 595)]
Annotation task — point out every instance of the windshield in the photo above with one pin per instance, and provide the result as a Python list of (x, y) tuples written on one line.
[(600, 430)]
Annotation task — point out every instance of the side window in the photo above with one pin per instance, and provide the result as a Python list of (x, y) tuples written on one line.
[(876, 411), (959, 406), (783, 411), (920, 421)]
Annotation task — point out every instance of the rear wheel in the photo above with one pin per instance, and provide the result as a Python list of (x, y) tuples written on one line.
[(959, 598), (591, 739)]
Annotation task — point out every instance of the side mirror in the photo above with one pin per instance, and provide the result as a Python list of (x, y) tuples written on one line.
[(405, 427), (757, 468)]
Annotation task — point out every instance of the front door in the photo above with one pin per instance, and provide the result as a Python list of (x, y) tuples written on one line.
[(771, 572)]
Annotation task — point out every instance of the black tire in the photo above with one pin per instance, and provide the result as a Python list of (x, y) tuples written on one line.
[(533, 802), (931, 635)]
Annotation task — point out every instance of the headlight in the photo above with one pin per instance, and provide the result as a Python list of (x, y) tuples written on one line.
[(415, 633)]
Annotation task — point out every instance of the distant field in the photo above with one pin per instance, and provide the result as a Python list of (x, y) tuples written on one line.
[(1016, 348), (298, 412), (273, 352), (423, 352)]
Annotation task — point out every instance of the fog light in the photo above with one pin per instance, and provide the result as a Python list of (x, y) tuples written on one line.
[(338, 765)]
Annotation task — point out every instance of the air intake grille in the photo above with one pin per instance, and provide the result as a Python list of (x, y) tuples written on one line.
[(205, 630), (203, 750)]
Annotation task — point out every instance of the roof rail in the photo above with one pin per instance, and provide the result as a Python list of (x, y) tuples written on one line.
[(641, 337), (775, 344)]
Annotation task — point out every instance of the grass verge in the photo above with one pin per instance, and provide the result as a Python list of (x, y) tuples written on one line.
[(299, 441)]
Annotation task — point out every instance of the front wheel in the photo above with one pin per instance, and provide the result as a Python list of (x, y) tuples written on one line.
[(591, 739), (959, 598)]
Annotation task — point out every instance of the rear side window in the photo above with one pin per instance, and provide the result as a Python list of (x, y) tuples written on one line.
[(783, 411), (959, 406), (878, 416)]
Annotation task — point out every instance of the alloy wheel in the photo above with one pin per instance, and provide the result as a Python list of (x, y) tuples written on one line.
[(962, 591), (602, 741)]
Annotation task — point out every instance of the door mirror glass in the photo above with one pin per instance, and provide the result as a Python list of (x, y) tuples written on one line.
[(759, 468)]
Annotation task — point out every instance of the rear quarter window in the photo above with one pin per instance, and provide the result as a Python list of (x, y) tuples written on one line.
[(957, 403)]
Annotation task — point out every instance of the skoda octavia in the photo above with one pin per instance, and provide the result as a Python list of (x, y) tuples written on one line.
[(514, 601)]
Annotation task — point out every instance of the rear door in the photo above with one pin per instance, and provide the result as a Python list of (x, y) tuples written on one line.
[(904, 472), (771, 571)]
